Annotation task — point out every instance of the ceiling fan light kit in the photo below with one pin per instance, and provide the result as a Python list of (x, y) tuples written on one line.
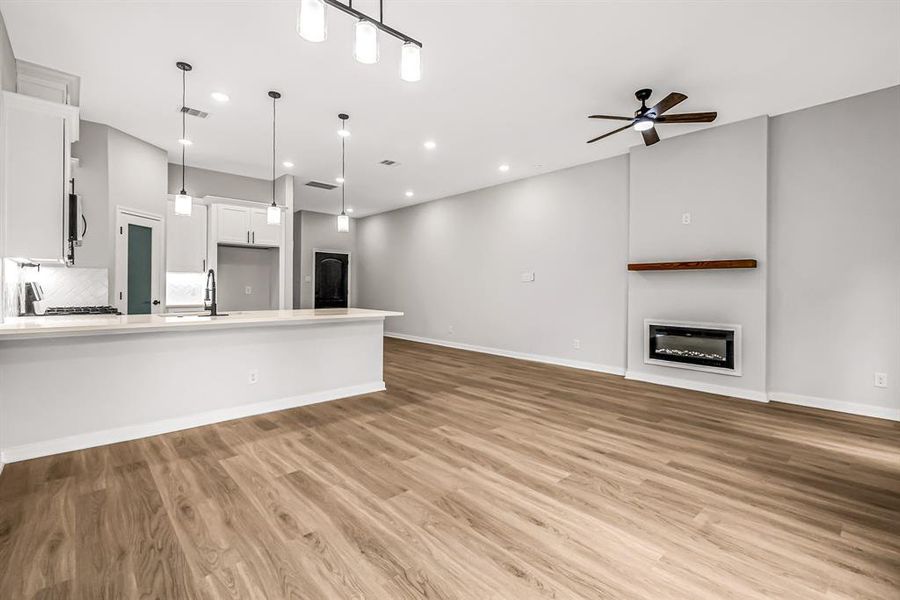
[(645, 119), (312, 26)]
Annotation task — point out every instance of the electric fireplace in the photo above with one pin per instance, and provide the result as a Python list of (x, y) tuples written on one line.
[(698, 346)]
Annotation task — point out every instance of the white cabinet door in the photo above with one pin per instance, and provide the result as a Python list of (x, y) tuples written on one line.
[(186, 240), (233, 224), (36, 168), (263, 234)]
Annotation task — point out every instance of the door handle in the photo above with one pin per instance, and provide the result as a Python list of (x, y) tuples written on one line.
[(155, 302)]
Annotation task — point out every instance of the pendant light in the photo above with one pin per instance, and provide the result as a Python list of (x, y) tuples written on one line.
[(311, 24), (410, 62), (273, 213), (343, 221), (183, 202), (365, 49)]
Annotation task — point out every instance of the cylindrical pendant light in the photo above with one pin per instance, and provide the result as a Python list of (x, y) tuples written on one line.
[(366, 46), (183, 202), (311, 21), (273, 213), (343, 220), (410, 62)]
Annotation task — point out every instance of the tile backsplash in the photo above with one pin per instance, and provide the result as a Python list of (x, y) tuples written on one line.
[(74, 286), (185, 289)]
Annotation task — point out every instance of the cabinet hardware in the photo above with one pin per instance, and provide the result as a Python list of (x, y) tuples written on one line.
[(204, 265), (254, 237), (248, 237)]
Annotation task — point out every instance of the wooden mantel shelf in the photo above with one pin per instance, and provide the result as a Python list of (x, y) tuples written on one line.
[(735, 263)]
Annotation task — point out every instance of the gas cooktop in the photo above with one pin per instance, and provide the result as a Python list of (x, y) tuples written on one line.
[(81, 310)]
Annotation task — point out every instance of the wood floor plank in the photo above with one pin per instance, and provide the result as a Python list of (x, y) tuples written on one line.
[(471, 477)]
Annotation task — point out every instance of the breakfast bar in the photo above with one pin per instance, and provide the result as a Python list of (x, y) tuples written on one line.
[(68, 383)]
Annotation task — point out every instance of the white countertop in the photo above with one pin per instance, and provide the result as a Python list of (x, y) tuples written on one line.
[(60, 326)]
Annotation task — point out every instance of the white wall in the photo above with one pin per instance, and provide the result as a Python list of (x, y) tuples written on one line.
[(719, 176), (457, 262), (318, 231), (834, 292)]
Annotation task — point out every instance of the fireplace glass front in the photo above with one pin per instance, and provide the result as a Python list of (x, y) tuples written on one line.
[(692, 346)]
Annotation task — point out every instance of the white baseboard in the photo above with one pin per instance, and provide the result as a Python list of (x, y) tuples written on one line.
[(134, 432), (853, 408), (698, 386), (550, 360)]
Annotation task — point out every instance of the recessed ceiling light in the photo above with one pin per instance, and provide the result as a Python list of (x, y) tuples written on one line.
[(220, 97), (349, 211), (503, 168), (288, 164), (409, 193), (430, 145), (339, 179), (185, 142)]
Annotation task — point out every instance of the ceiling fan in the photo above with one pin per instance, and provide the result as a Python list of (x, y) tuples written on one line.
[(645, 119)]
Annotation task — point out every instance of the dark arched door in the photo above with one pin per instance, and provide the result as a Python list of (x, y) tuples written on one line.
[(332, 280)]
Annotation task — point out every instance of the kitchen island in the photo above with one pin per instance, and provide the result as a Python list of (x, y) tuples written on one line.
[(68, 383)]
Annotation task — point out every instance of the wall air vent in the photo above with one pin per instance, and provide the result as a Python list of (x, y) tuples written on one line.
[(321, 185), (192, 112), (389, 163)]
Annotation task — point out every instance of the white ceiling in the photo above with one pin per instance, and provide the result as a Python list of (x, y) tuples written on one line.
[(504, 81)]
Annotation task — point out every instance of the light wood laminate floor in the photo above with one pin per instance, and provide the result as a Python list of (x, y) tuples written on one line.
[(472, 477)]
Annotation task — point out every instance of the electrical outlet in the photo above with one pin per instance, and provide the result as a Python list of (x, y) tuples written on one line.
[(576, 343), (307, 279), (253, 376), (248, 290), (686, 218), (881, 380), (526, 277), (450, 329)]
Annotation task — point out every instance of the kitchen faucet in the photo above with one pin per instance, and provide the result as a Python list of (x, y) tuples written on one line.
[(210, 294)]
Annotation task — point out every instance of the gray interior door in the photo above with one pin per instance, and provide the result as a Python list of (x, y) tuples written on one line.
[(332, 280), (140, 269)]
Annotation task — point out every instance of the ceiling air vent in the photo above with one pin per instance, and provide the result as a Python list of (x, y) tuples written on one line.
[(389, 163), (321, 185), (192, 112)]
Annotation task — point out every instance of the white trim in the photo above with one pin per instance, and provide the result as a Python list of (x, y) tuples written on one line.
[(853, 408), (134, 432), (550, 360), (698, 386), (735, 329)]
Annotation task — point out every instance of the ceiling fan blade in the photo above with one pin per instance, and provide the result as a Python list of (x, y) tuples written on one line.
[(611, 117), (650, 136), (609, 134), (668, 102), (700, 117)]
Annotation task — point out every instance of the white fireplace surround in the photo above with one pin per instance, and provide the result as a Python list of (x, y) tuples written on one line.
[(735, 329)]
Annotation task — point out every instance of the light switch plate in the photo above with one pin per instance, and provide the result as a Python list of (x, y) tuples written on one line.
[(307, 279), (248, 290), (527, 276)]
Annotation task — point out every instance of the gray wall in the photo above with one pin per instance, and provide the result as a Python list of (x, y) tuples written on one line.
[(834, 227), (719, 176), (457, 262), (318, 231), (243, 267), (203, 182), (7, 60)]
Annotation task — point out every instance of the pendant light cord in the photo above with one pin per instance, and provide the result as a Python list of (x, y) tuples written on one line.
[(183, 126), (273, 151), (343, 163)]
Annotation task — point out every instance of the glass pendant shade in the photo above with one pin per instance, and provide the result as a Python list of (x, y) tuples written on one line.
[(311, 20), (183, 204), (273, 215), (410, 62), (343, 223), (366, 47)]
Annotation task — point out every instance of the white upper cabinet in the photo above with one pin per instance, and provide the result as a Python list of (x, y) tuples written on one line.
[(261, 233), (186, 240), (37, 136), (244, 226), (233, 224)]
